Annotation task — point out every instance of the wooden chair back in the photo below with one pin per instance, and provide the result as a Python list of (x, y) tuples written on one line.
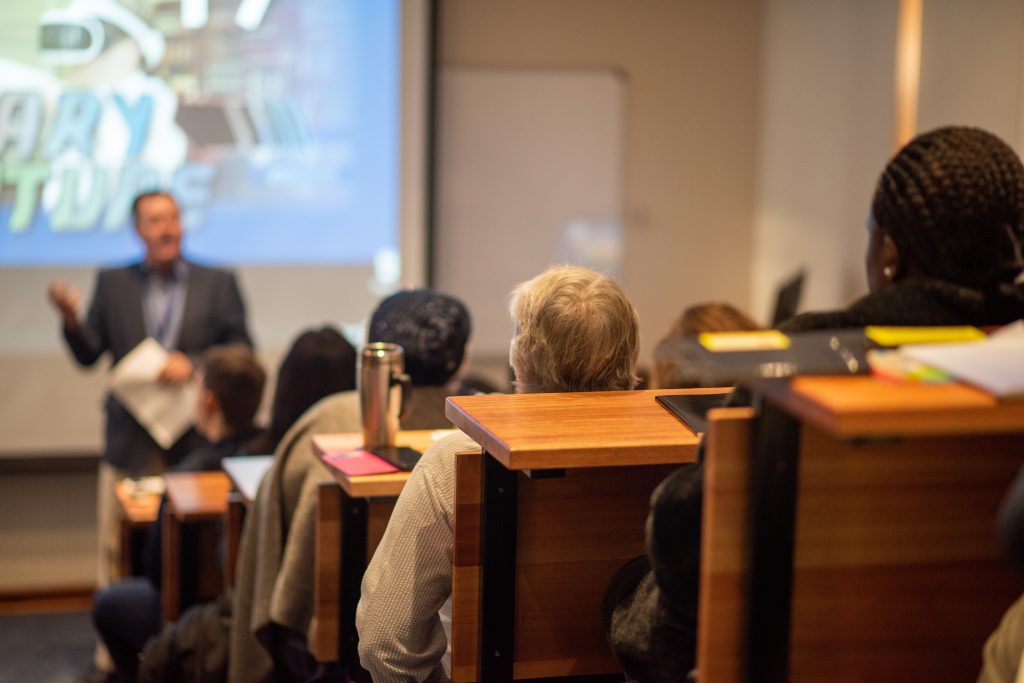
[(898, 575), (574, 533)]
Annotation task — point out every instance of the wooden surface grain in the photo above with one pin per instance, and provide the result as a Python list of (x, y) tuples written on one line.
[(862, 406), (326, 574), (589, 429), (898, 575), (197, 496), (720, 617), (573, 534), (139, 509)]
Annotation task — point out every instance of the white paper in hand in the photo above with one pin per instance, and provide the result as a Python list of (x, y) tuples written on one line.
[(165, 411)]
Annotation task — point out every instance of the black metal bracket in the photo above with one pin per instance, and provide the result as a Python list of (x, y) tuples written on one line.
[(498, 571), (354, 522), (771, 518)]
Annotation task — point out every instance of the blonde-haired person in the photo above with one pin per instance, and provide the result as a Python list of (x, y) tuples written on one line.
[(575, 330), (674, 368)]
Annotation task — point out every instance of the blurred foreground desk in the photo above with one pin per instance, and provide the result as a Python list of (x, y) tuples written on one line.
[(849, 531), (352, 513), (140, 503), (544, 518), (192, 498)]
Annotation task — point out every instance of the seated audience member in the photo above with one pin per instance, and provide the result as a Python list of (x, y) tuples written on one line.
[(575, 331), (127, 613), (944, 248), (1004, 649), (670, 361), (273, 600), (319, 363)]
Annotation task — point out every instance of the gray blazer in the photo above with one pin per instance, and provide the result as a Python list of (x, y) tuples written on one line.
[(214, 314)]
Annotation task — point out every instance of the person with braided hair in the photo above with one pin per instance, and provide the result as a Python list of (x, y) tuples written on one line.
[(945, 237), (944, 248)]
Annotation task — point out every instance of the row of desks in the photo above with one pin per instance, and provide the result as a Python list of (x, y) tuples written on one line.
[(563, 457), (193, 498)]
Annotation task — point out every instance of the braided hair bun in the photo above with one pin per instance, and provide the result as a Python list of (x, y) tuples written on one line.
[(953, 202)]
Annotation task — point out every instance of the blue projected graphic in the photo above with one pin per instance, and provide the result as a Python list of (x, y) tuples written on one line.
[(275, 124)]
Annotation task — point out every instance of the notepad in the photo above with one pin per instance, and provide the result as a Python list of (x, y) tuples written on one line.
[(995, 365), (359, 463)]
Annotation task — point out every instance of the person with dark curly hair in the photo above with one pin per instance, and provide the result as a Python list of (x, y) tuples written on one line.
[(944, 248), (945, 237)]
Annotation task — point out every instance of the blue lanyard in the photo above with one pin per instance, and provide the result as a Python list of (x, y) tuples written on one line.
[(164, 325)]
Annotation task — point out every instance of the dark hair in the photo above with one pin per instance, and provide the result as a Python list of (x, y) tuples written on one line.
[(432, 328), (953, 202), (672, 366), (236, 378), (319, 363), (137, 202)]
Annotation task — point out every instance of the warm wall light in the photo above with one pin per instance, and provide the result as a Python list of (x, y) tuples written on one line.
[(908, 71)]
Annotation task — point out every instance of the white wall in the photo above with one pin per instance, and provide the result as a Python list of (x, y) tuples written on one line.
[(825, 127), (691, 120), (972, 66)]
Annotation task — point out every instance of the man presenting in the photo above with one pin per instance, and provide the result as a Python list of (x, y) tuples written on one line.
[(185, 307)]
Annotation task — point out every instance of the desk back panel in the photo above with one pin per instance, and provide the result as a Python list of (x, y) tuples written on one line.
[(574, 533), (327, 570), (898, 574)]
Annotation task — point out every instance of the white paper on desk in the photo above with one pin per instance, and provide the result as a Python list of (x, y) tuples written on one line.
[(995, 364), (165, 411)]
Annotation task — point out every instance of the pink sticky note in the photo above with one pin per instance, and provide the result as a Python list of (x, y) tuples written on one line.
[(359, 463)]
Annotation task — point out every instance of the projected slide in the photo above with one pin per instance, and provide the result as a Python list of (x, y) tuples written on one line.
[(275, 123)]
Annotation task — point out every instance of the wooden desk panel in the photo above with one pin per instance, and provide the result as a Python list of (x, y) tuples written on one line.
[(197, 496), (573, 534), (192, 497), (897, 572), (328, 570), (332, 569), (864, 406), (572, 430), (720, 610), (138, 511)]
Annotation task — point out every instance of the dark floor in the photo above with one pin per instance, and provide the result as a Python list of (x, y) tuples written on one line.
[(45, 648)]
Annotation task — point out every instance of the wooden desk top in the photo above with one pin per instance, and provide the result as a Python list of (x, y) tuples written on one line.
[(373, 485), (140, 507), (197, 496), (246, 472), (588, 429), (863, 406)]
